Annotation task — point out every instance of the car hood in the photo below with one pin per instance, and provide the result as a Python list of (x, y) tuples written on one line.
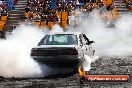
[(55, 46)]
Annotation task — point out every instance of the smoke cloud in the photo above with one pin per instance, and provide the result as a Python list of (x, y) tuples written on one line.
[(115, 41), (15, 60), (87, 62)]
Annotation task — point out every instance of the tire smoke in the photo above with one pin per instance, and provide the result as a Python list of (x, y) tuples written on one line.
[(88, 60), (116, 41), (15, 60)]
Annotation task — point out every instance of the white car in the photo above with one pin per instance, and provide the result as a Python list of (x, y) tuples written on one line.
[(63, 49)]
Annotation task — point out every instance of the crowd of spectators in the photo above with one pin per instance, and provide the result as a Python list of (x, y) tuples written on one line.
[(3, 15), (3, 9), (42, 10), (129, 4)]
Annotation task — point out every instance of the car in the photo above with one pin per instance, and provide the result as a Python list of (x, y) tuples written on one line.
[(65, 49)]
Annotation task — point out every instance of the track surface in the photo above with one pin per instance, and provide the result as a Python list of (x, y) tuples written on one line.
[(104, 65)]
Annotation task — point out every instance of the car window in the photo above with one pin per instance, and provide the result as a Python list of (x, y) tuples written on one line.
[(59, 39)]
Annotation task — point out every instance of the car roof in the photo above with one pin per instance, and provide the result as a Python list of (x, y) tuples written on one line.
[(76, 33)]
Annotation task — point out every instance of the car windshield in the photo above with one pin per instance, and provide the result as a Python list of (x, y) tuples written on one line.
[(59, 39)]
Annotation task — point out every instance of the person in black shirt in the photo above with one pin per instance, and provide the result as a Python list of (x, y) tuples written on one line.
[(43, 17)]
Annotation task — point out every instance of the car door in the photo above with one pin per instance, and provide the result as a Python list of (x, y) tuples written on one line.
[(83, 45), (88, 45)]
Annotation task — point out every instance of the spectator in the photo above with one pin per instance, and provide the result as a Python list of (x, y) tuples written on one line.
[(34, 9), (30, 2), (119, 1), (93, 1), (55, 18), (4, 13), (37, 18), (34, 15), (3, 5), (39, 9), (27, 9), (129, 5), (50, 17), (43, 17), (1, 10), (0, 2), (59, 8), (109, 8)]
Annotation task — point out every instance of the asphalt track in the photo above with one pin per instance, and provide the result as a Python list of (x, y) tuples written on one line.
[(104, 65)]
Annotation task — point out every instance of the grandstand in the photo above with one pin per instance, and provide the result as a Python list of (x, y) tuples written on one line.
[(44, 13)]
